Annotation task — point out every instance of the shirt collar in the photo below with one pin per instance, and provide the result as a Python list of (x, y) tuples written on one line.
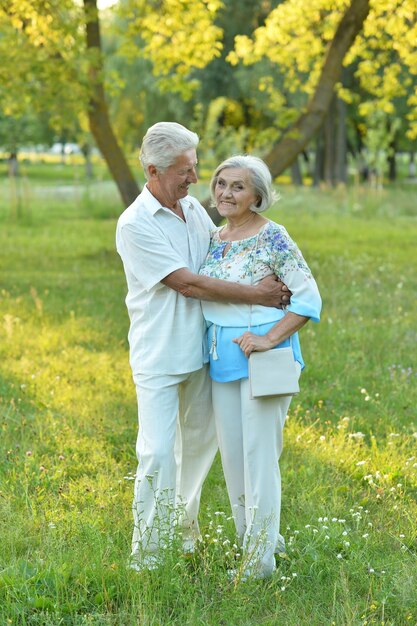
[(154, 204)]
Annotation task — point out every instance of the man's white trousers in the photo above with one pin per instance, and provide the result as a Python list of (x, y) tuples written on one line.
[(175, 447)]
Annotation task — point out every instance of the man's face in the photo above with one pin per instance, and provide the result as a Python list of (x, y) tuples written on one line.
[(176, 179)]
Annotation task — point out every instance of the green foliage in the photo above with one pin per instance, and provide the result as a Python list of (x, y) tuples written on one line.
[(294, 41), (177, 35), (68, 427), (43, 49)]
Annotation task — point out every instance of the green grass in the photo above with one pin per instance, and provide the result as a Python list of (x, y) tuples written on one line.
[(68, 427)]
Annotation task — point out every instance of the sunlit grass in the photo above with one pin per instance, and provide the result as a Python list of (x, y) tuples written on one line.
[(68, 429)]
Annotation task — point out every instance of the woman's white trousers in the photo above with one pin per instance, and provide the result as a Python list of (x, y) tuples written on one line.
[(250, 436)]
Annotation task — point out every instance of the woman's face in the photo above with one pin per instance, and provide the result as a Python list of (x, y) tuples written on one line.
[(234, 192)]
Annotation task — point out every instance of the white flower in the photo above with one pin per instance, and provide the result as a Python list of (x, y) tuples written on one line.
[(365, 535), (339, 556)]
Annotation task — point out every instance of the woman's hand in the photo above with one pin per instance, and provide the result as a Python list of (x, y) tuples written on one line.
[(249, 342)]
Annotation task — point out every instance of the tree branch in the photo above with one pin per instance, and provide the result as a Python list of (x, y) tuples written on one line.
[(296, 138)]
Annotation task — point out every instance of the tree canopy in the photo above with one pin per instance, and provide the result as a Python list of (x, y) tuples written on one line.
[(260, 76)]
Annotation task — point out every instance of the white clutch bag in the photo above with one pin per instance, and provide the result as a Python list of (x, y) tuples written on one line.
[(273, 373)]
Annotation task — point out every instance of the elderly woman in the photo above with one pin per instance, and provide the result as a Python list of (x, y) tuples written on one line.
[(250, 431)]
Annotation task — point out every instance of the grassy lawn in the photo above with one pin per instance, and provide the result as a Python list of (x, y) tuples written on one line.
[(68, 426)]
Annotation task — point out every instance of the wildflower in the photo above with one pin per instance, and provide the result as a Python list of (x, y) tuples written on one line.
[(340, 556), (360, 463), (365, 536), (371, 570)]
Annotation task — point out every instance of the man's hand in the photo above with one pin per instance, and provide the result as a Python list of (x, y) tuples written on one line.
[(272, 292)]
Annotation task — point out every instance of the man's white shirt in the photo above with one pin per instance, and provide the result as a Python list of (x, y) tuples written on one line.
[(167, 330)]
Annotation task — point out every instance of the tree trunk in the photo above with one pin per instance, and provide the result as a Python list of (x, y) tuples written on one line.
[(392, 163), (98, 114), (86, 150), (13, 165), (412, 166), (330, 125), (297, 136), (341, 143), (318, 173), (296, 176)]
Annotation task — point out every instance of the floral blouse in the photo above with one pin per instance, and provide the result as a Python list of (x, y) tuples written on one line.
[(271, 251)]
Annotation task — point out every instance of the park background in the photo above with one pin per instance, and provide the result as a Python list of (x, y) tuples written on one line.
[(325, 91)]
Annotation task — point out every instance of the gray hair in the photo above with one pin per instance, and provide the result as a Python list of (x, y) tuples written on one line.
[(163, 143), (260, 177)]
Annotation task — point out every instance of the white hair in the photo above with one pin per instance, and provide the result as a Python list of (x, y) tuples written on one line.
[(163, 143), (260, 177)]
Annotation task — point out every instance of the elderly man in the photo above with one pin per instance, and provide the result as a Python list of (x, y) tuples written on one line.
[(163, 238)]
